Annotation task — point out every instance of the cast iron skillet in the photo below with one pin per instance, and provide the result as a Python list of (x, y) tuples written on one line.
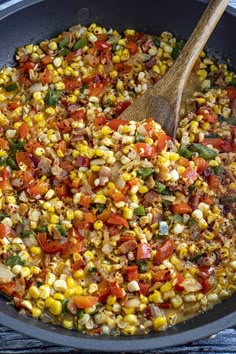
[(34, 20)]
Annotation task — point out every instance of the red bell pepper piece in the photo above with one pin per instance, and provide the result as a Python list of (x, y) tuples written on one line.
[(101, 45), (181, 208), (47, 246), (84, 301), (117, 219), (115, 123), (132, 272), (162, 140), (5, 230), (143, 251), (164, 251), (201, 164)]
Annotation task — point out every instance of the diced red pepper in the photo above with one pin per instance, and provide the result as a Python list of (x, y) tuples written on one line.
[(73, 55), (114, 124), (180, 279), (47, 246), (183, 162), (161, 275), (143, 251), (145, 150), (72, 83), (32, 145), (100, 120), (4, 144), (61, 189), (144, 288), (132, 46), (116, 290), (47, 76), (70, 248), (27, 66), (116, 195), (206, 285), (207, 114), (117, 219), (89, 217), (101, 45), (201, 164), (5, 230), (220, 144), (23, 130), (162, 141), (181, 208), (79, 114), (207, 199), (132, 272), (13, 105), (95, 89), (46, 60), (165, 251), (38, 188), (214, 183), (121, 106), (85, 200), (84, 301), (23, 157), (231, 91)]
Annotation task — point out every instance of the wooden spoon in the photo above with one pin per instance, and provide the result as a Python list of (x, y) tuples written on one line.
[(162, 101)]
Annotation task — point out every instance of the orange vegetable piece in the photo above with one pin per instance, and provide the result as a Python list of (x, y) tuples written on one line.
[(84, 301), (181, 208)]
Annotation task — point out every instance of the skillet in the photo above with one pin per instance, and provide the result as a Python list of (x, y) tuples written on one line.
[(30, 21)]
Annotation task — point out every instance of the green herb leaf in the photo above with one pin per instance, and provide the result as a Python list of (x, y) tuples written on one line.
[(156, 41), (64, 52), (138, 138), (26, 233), (140, 211), (14, 260), (52, 97), (205, 152), (41, 229), (17, 145), (12, 163), (84, 87), (213, 136), (80, 44), (63, 43), (11, 87), (64, 303), (217, 170), (144, 172), (80, 314), (195, 258), (92, 270), (62, 229)]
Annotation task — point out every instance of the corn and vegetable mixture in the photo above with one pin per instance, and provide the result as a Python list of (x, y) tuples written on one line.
[(109, 226)]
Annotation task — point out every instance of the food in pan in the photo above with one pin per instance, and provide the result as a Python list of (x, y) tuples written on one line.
[(109, 226)]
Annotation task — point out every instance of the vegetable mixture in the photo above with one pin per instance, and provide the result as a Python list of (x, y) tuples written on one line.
[(109, 226)]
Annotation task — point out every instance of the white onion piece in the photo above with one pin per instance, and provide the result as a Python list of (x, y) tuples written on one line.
[(107, 248), (191, 285), (133, 303), (38, 87), (30, 241), (5, 274), (120, 183)]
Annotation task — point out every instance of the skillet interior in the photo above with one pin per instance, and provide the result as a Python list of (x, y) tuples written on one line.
[(21, 24)]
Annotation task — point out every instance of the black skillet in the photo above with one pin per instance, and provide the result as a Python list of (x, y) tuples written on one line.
[(28, 21)]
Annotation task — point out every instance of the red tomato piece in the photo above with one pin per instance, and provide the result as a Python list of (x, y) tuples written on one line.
[(117, 219), (183, 162), (101, 45), (165, 251), (61, 189), (121, 106), (220, 144), (143, 251), (73, 55), (181, 208), (145, 150), (132, 46), (77, 115), (13, 105), (116, 290), (144, 288), (132, 272), (100, 120), (190, 173), (206, 285), (84, 301), (50, 247), (201, 164), (47, 76), (70, 248), (4, 144), (115, 123), (38, 188), (5, 230), (25, 158), (32, 145), (23, 130), (89, 217), (207, 114), (231, 91), (85, 200), (27, 66), (72, 83), (95, 89), (161, 275), (207, 199), (180, 279), (162, 141)]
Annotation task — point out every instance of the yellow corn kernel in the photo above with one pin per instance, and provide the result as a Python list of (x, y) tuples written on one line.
[(70, 214), (202, 224), (50, 110), (120, 85), (128, 213), (36, 250), (54, 219), (58, 296), (174, 156), (78, 290), (35, 270), (116, 59), (40, 304), (68, 293), (95, 168), (48, 301), (37, 95), (36, 312), (156, 297), (34, 292), (213, 163), (131, 318), (60, 153), (52, 45), (25, 272), (111, 300), (143, 189), (70, 282), (38, 117), (98, 225), (106, 130), (79, 274), (67, 324), (100, 199), (159, 323), (27, 304), (44, 291), (181, 169), (56, 307), (88, 255), (206, 126), (166, 287), (176, 301), (128, 310)]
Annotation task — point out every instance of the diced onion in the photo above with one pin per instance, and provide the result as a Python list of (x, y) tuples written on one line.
[(5, 274)]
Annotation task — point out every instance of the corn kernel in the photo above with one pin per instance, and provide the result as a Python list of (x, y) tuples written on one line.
[(54, 219), (51, 111), (100, 199), (98, 225), (79, 274), (166, 287), (36, 312), (34, 292), (67, 324), (159, 323), (58, 296), (143, 189), (128, 213), (156, 297), (36, 250), (78, 290), (56, 307)]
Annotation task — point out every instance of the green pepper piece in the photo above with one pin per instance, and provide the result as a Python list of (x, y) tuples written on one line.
[(26, 233), (233, 82), (63, 43), (64, 52), (92, 270), (12, 163), (175, 53), (52, 97), (11, 87), (62, 230), (231, 120), (80, 44), (159, 187), (14, 260), (140, 211), (192, 223), (64, 303), (185, 152), (205, 152), (218, 170), (163, 228), (144, 172), (175, 218), (138, 138), (213, 136), (192, 187), (100, 207), (228, 199), (80, 314), (84, 87), (2, 215), (41, 229), (17, 145), (156, 41), (142, 266)]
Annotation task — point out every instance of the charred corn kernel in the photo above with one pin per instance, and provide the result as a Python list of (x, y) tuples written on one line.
[(166, 287), (98, 225), (100, 199), (34, 292), (36, 312), (111, 300), (131, 318), (156, 297), (67, 324), (119, 85), (58, 296), (159, 323), (56, 307), (129, 32), (78, 290), (36, 250), (88, 255), (176, 301)]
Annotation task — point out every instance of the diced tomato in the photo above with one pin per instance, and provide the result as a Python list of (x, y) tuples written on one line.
[(145, 150), (46, 60), (80, 264), (25, 82), (144, 288), (116, 290), (161, 275), (72, 83), (132, 46), (116, 195), (47, 76), (115, 123), (205, 271), (100, 120), (183, 162), (82, 225), (98, 78), (143, 251), (190, 173), (165, 251), (23, 130), (201, 164), (95, 89), (165, 305), (117, 219), (220, 144), (231, 91), (102, 36), (23, 157), (73, 55), (70, 248), (79, 114), (89, 217), (206, 285), (132, 272), (5, 230), (121, 106), (104, 295), (214, 183), (48, 246), (65, 125), (27, 66), (13, 105), (124, 239), (26, 178), (181, 208), (82, 161), (162, 141), (207, 114), (105, 215), (207, 199), (73, 232), (85, 200), (84, 301), (61, 189), (101, 45), (32, 145), (38, 188), (180, 279), (4, 144)]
